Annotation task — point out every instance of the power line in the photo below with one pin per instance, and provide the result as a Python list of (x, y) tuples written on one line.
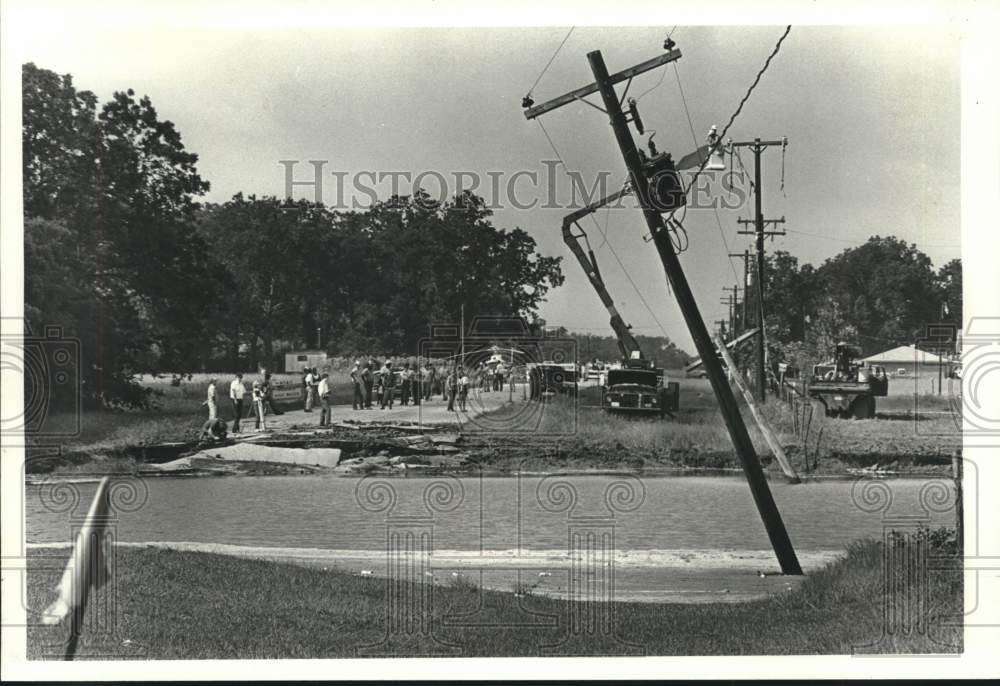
[(662, 74), (551, 60), (739, 108), (862, 242), (694, 139)]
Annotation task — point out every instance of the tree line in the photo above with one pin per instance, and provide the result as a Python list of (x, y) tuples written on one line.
[(878, 295), (120, 253)]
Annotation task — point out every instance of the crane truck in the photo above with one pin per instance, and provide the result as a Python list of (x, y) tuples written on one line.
[(637, 386)]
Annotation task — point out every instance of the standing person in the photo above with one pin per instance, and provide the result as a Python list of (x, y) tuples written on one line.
[(210, 400), (368, 378), (501, 375), (463, 388), (307, 382), (388, 382), (268, 388), (429, 374), (314, 387), (258, 407), (323, 388), (358, 382), (406, 381), (237, 391), (417, 383), (451, 388)]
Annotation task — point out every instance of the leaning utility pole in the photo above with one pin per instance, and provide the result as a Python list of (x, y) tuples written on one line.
[(604, 84), (758, 146)]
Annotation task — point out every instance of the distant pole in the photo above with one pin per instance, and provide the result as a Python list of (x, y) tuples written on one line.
[(758, 146), (319, 338), (462, 335), (759, 227)]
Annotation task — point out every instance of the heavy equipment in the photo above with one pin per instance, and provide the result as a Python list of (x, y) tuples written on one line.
[(638, 386), (847, 386)]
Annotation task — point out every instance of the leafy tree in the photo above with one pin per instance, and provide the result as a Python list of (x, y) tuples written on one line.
[(120, 189), (949, 279), (886, 288)]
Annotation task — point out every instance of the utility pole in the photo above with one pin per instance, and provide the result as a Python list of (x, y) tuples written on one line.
[(744, 317), (733, 296), (604, 84), (758, 146), (720, 325)]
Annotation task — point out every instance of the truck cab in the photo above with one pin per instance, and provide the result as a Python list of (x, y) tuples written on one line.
[(638, 387)]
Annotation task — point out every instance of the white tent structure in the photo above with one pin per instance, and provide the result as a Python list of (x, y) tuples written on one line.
[(909, 358)]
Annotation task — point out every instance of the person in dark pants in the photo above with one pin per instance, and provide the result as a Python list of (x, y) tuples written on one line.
[(237, 391), (406, 381), (417, 383), (323, 391), (451, 388), (388, 385), (269, 396), (357, 379), (368, 378), (428, 380)]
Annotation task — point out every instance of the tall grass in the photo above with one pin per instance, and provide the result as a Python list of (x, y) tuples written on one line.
[(185, 605)]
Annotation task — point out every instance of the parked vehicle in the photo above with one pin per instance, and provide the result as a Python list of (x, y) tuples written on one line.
[(637, 386), (548, 379), (848, 387)]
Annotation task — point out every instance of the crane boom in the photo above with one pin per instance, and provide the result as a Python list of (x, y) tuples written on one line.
[(626, 341)]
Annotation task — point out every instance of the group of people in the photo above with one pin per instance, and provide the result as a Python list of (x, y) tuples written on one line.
[(259, 404), (374, 385)]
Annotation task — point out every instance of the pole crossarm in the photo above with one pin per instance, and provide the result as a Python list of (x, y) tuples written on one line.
[(757, 144), (623, 75)]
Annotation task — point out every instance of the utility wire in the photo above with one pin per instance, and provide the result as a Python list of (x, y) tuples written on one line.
[(662, 74), (739, 108), (694, 139), (551, 59)]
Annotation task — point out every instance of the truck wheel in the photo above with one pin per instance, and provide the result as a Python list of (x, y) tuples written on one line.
[(862, 408)]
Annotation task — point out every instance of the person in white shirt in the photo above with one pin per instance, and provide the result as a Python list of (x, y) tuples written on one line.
[(463, 388), (237, 391), (310, 382), (210, 400), (324, 399), (258, 406)]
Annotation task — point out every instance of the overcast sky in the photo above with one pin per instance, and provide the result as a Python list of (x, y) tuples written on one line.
[(871, 115)]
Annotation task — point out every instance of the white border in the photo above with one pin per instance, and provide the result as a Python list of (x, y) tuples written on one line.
[(977, 22)]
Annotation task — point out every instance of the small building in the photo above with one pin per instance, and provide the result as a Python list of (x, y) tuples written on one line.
[(914, 361), (297, 360)]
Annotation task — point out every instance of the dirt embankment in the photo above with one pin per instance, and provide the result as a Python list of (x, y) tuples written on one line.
[(402, 449)]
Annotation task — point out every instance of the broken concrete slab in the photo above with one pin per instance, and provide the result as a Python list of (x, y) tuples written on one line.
[(248, 452)]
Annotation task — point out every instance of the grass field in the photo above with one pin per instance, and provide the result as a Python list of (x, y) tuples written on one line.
[(580, 433), (173, 605)]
